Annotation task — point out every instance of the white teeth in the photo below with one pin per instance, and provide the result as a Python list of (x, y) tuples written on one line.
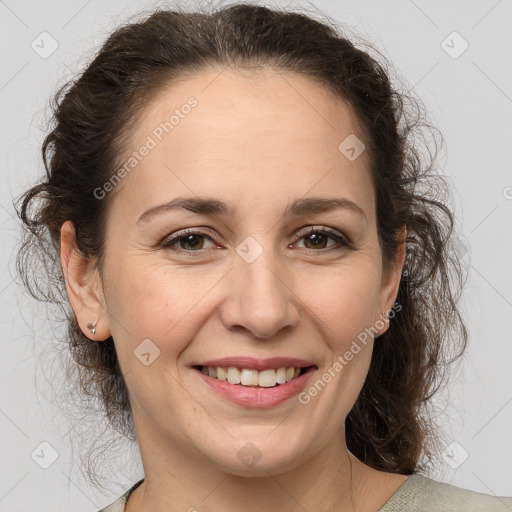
[(267, 378), (281, 376), (233, 375), (222, 373), (250, 377)]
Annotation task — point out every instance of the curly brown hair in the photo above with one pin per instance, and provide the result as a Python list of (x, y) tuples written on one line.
[(389, 427)]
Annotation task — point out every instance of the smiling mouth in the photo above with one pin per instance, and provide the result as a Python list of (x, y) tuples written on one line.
[(269, 378)]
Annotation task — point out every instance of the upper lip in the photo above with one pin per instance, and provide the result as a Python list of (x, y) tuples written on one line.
[(252, 363)]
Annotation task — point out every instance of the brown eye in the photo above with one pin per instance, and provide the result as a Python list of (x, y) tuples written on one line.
[(317, 239), (193, 241), (188, 241)]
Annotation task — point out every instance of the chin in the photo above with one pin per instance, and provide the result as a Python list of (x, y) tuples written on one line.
[(259, 458)]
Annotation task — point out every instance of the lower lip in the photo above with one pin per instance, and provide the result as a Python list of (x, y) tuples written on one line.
[(255, 396)]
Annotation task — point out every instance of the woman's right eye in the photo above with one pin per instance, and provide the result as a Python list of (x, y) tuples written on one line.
[(188, 237)]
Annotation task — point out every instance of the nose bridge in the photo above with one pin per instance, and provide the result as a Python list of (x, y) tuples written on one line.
[(262, 300), (263, 277)]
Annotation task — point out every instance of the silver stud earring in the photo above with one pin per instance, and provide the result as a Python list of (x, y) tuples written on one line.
[(385, 316), (92, 327)]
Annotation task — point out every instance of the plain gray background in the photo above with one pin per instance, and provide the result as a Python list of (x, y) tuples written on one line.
[(468, 97)]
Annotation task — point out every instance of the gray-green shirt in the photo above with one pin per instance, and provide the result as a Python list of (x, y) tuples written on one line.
[(417, 494)]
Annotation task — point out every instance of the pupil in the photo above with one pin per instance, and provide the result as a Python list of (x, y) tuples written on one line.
[(187, 240), (316, 238)]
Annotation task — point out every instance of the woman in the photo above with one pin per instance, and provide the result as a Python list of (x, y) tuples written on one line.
[(258, 287)]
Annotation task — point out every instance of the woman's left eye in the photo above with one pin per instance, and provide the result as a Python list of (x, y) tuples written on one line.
[(315, 237)]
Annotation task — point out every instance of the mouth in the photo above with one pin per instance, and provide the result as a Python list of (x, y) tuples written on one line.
[(251, 377), (251, 388)]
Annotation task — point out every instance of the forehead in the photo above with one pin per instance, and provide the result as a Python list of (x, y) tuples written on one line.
[(262, 102), (258, 130)]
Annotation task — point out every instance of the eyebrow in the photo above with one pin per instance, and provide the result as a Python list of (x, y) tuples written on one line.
[(210, 206)]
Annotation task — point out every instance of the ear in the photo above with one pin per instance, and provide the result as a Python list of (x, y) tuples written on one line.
[(83, 285), (390, 282)]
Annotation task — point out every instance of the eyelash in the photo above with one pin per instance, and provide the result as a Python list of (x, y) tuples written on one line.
[(343, 242)]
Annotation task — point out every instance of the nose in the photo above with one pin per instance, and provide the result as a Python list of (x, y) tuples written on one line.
[(260, 299)]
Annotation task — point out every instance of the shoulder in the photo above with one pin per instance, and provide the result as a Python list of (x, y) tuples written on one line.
[(119, 504), (422, 494)]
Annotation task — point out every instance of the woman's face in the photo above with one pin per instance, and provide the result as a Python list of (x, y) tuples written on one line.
[(251, 284)]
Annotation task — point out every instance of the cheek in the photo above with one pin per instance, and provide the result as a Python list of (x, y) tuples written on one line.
[(343, 301), (151, 301)]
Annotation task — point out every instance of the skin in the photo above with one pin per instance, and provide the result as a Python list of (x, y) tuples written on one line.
[(256, 142)]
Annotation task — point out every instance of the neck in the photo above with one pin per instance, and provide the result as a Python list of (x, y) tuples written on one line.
[(333, 479)]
